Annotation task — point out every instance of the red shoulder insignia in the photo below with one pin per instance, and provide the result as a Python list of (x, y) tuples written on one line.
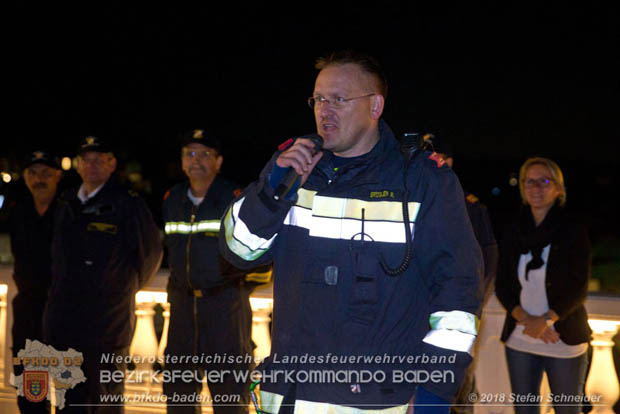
[(285, 144), (237, 192), (435, 157), (471, 198), (167, 195)]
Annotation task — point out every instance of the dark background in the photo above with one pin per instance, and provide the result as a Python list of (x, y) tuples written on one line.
[(501, 81)]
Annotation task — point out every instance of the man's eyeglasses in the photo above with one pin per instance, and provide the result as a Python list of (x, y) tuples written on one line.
[(196, 154), (539, 182), (337, 102), (96, 160)]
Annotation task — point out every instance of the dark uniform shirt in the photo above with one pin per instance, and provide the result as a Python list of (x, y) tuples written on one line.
[(31, 241), (104, 251)]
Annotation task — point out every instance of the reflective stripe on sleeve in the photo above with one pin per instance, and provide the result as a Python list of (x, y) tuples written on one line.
[(270, 402), (457, 320), (455, 330), (239, 238), (450, 339)]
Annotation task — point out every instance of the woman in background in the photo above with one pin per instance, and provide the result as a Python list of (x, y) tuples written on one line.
[(542, 281)]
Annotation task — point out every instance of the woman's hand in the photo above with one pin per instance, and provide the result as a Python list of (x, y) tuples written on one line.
[(535, 326), (550, 336)]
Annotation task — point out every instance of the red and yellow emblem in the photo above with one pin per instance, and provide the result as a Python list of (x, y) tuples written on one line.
[(36, 385), (437, 158)]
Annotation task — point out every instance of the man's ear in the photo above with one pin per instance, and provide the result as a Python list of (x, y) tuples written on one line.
[(377, 103)]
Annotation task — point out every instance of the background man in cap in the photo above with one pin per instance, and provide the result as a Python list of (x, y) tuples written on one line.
[(210, 311), (30, 222), (106, 247)]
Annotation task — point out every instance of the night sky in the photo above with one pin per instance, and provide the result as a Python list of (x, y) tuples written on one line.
[(501, 82)]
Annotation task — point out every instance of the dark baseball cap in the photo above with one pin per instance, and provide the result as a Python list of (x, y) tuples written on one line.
[(42, 157), (93, 144), (200, 136)]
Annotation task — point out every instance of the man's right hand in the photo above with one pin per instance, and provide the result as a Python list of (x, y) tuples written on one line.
[(299, 157)]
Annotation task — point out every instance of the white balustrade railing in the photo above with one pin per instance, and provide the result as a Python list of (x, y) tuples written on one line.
[(491, 370)]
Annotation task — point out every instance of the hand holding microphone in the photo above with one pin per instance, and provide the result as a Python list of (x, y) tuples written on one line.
[(300, 159)]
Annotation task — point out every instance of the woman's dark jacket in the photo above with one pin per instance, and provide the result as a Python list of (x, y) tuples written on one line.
[(568, 272)]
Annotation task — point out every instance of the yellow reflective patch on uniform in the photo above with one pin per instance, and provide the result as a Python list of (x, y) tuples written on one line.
[(264, 277), (352, 209), (382, 194), (305, 198), (102, 227), (209, 227), (341, 218)]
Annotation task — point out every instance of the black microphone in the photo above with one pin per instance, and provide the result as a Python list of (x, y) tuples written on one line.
[(291, 176)]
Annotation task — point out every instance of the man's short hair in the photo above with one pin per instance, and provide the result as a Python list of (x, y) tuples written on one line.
[(366, 62)]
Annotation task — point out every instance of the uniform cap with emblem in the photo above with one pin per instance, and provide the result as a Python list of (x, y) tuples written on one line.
[(93, 144), (42, 157), (201, 136)]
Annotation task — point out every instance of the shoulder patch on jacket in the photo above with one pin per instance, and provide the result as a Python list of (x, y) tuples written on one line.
[(167, 195), (285, 144), (237, 192), (435, 157), (471, 198)]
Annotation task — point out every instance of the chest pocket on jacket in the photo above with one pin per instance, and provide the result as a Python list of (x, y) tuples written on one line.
[(365, 289)]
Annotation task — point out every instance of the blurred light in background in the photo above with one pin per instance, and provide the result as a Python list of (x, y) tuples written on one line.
[(66, 163)]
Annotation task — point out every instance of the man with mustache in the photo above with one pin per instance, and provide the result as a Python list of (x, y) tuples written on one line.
[(30, 219), (376, 267), (210, 314)]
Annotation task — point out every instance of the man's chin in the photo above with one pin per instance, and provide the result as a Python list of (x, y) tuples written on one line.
[(329, 141), (197, 175)]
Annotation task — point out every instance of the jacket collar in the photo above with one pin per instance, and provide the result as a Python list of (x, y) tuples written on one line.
[(213, 189), (364, 169), (111, 185)]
